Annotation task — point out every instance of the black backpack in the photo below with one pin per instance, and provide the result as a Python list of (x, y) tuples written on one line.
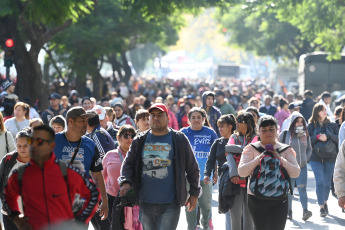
[(270, 180)]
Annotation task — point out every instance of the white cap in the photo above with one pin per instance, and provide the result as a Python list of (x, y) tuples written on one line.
[(100, 111)]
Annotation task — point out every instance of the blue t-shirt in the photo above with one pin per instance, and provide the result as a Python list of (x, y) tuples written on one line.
[(158, 179), (201, 142), (87, 153)]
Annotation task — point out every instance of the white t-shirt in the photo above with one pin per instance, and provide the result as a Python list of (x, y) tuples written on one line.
[(11, 126)]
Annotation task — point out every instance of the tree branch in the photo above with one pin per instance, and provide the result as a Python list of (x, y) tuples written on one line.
[(52, 31), (49, 52)]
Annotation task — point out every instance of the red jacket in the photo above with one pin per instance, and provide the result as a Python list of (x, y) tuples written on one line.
[(45, 196)]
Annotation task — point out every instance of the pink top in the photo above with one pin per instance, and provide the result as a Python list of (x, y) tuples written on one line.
[(172, 120), (281, 116), (111, 170), (250, 159)]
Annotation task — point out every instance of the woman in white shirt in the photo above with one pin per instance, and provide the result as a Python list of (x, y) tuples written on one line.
[(20, 120)]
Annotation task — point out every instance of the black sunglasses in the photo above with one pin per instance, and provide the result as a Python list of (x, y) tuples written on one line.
[(37, 141), (241, 120), (127, 136)]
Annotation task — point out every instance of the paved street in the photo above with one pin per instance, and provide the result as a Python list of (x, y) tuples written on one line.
[(335, 221)]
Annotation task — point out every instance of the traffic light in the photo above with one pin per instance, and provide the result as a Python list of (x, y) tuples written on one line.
[(9, 52)]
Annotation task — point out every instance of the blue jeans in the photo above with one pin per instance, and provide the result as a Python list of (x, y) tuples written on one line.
[(301, 182), (205, 208), (227, 220), (159, 216), (323, 175)]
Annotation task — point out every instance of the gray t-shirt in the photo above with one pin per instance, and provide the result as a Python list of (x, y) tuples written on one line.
[(13, 128), (158, 179)]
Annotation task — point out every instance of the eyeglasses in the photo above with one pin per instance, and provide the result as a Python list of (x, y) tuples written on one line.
[(127, 136), (37, 141)]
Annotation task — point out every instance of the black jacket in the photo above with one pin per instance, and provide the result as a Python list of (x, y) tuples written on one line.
[(6, 165), (217, 153), (185, 166), (331, 130)]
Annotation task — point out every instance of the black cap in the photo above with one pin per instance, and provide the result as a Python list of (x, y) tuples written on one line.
[(220, 93), (294, 105), (54, 96)]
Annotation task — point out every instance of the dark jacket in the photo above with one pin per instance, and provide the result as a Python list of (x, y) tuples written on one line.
[(331, 130), (307, 108), (213, 114), (270, 111), (217, 153), (185, 166), (6, 165), (49, 113)]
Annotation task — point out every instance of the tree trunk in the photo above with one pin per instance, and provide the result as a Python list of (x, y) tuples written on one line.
[(29, 74), (126, 68)]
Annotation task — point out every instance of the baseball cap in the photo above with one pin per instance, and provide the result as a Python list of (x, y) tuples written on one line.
[(220, 93), (190, 96), (78, 111), (159, 106), (54, 96), (100, 111), (294, 105)]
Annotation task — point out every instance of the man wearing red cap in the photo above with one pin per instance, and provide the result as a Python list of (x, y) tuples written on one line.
[(156, 166)]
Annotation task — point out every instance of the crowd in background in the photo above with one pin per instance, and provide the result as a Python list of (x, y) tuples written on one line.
[(228, 112)]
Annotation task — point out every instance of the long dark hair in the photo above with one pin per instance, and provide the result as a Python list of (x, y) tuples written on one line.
[(228, 119), (203, 114), (248, 119)]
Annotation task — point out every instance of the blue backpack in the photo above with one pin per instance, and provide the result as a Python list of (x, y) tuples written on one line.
[(270, 180)]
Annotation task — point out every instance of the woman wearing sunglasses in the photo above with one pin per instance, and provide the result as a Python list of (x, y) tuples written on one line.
[(201, 138), (12, 161), (112, 162), (244, 135)]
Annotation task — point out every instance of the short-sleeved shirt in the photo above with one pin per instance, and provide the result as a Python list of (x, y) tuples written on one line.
[(158, 179), (104, 142), (201, 141), (87, 154)]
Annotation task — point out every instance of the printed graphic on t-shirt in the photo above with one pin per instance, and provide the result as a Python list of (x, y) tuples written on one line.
[(200, 140), (70, 151), (156, 160)]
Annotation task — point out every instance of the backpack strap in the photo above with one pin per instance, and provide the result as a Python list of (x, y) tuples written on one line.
[(258, 147), (63, 168), (283, 148), (62, 111), (7, 148), (50, 112), (284, 135)]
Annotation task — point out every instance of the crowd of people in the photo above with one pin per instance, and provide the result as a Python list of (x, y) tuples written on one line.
[(135, 157)]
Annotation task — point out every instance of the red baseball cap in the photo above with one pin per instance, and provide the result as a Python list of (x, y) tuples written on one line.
[(159, 106)]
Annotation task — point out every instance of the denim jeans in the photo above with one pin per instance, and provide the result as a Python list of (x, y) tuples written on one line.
[(301, 182), (323, 175), (227, 220), (159, 216), (205, 208)]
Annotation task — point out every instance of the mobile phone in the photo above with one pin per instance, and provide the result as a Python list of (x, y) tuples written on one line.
[(269, 147)]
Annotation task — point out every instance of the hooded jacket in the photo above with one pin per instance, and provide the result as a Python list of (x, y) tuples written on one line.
[(213, 114), (301, 145)]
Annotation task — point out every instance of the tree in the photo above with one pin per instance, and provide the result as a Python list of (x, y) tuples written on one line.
[(262, 32), (35, 23), (105, 36), (292, 27)]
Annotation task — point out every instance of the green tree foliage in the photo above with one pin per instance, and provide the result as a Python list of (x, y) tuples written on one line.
[(286, 28), (35, 23), (106, 35)]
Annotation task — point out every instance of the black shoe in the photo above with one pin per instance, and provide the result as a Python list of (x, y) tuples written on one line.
[(306, 214), (323, 212), (289, 215), (326, 208)]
